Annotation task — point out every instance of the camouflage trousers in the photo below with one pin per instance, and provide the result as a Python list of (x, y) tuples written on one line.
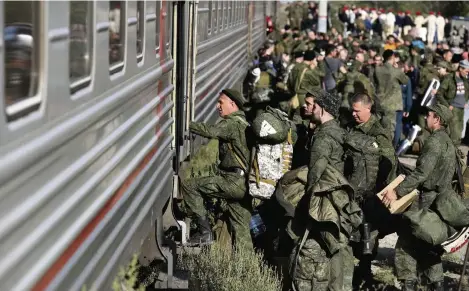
[(228, 186), (312, 268), (391, 116), (456, 125), (413, 260)]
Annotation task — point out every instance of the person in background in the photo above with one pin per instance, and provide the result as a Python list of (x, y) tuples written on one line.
[(408, 23), (407, 105), (388, 81), (454, 93)]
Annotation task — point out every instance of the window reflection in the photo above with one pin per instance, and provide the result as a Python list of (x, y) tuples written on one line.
[(116, 32), (21, 47), (80, 40)]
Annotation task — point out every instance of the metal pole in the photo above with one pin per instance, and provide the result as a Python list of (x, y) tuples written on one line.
[(322, 21)]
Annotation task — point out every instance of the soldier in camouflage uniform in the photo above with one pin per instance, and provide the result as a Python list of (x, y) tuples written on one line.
[(454, 93), (230, 182), (432, 175), (388, 81), (355, 82), (316, 262), (304, 76), (427, 74), (295, 14), (284, 46), (369, 128)]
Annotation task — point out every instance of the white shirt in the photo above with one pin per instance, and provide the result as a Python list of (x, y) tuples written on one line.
[(390, 19)]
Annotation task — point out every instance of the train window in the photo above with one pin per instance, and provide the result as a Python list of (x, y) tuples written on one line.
[(80, 44), (117, 26), (140, 28), (236, 13), (157, 12), (21, 36), (220, 15), (214, 16), (225, 14), (229, 13), (209, 28)]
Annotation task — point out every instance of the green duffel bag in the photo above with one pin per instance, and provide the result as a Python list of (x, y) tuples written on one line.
[(451, 209), (427, 226), (273, 126)]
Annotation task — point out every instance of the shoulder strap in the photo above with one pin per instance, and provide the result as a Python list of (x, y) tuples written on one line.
[(301, 79), (238, 158), (242, 120)]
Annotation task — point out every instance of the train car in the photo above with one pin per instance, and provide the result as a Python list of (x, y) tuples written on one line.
[(98, 96)]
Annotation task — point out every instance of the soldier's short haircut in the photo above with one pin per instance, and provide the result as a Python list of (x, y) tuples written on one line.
[(365, 99)]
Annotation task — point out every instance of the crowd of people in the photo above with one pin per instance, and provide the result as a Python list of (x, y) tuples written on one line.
[(312, 138)]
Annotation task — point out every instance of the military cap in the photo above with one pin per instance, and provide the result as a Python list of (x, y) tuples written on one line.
[(443, 64), (442, 111), (298, 54), (464, 64), (315, 92), (309, 55), (329, 102), (235, 96)]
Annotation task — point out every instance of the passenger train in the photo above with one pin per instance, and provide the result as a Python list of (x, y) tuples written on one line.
[(98, 97)]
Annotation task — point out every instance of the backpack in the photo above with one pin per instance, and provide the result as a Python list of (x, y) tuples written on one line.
[(275, 135), (361, 163)]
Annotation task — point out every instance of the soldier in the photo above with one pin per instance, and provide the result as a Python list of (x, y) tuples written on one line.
[(428, 73), (304, 127), (368, 138), (454, 93), (311, 41), (304, 75), (230, 182), (388, 81), (355, 82), (448, 57), (317, 261), (432, 175)]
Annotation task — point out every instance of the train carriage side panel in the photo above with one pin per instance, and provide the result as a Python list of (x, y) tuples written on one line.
[(221, 58), (81, 190), (258, 24)]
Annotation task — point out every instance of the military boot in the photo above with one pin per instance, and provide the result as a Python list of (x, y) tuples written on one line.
[(409, 285), (204, 234), (437, 286)]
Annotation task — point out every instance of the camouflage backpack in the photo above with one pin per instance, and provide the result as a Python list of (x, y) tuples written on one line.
[(275, 135), (361, 163)]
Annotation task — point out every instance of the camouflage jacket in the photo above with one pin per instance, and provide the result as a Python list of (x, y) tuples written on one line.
[(326, 149), (293, 83), (355, 82), (427, 73), (328, 204), (388, 81), (231, 132), (388, 161), (311, 80), (447, 91), (435, 166)]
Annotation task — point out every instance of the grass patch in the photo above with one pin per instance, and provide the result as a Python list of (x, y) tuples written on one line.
[(204, 161), (127, 278), (217, 268)]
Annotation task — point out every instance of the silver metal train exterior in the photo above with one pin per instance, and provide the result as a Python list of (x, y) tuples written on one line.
[(98, 96)]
